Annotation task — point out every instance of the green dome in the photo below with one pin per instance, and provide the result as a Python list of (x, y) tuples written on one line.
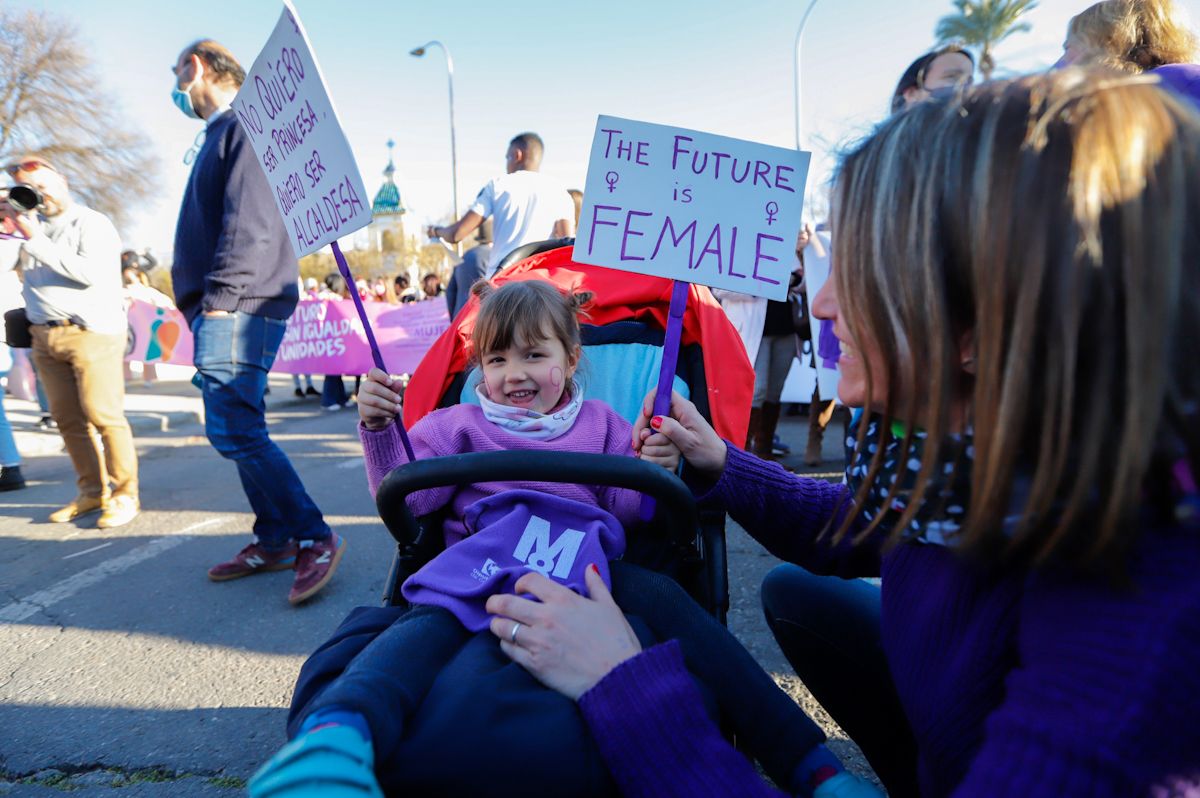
[(387, 199)]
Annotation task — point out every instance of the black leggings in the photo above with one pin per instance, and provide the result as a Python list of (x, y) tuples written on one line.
[(388, 680), (829, 629)]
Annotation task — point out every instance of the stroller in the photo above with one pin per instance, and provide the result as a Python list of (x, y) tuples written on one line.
[(622, 339)]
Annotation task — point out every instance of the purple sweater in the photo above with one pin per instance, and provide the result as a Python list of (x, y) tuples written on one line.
[(1014, 683), (462, 428)]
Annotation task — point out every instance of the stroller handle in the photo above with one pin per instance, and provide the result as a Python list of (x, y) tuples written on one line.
[(675, 499)]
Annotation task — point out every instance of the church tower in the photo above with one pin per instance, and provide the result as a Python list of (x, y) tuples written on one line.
[(387, 226)]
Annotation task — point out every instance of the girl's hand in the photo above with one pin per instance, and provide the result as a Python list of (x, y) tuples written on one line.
[(658, 449), (695, 439), (378, 403), (568, 642)]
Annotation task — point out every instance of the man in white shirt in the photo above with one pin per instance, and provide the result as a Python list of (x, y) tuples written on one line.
[(524, 204)]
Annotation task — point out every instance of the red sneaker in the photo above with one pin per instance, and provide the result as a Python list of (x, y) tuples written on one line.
[(315, 565), (255, 559)]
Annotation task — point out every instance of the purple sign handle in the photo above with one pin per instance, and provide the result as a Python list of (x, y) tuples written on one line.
[(344, 268), (666, 371)]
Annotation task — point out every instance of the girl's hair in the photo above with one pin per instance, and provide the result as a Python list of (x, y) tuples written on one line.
[(1050, 222), (524, 312), (1134, 35), (914, 76)]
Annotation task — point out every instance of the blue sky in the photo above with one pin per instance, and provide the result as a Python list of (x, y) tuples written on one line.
[(722, 67)]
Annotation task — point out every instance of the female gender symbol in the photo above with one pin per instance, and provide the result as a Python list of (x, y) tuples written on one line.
[(772, 210), (611, 178)]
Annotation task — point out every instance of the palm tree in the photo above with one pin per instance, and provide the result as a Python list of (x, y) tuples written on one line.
[(984, 23)]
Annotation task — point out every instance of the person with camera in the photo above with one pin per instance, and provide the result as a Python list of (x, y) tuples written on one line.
[(77, 323)]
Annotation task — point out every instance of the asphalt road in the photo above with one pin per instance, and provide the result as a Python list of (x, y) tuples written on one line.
[(125, 672)]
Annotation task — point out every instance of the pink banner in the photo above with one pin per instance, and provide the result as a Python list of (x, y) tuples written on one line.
[(157, 335), (326, 336), (323, 336)]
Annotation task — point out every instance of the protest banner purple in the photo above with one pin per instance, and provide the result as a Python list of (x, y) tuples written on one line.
[(327, 337), (322, 337)]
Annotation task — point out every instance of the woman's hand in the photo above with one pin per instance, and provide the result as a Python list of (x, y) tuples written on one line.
[(378, 403), (567, 641), (695, 439)]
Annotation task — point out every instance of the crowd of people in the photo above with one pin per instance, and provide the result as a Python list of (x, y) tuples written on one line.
[(1013, 293)]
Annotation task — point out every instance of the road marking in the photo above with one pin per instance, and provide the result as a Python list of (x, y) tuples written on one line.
[(89, 551), (34, 603), (353, 462)]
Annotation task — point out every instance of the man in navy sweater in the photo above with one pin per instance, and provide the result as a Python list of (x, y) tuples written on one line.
[(235, 280)]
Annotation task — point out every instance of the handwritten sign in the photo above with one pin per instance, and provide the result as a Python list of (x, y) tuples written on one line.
[(286, 111), (692, 206)]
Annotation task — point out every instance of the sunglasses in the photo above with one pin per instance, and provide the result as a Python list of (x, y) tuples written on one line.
[(27, 166)]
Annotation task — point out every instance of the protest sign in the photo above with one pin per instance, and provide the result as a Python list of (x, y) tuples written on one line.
[(289, 118), (157, 334), (670, 202), (322, 336), (327, 336), (286, 111), (677, 203)]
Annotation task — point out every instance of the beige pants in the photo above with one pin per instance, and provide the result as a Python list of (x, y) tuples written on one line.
[(81, 372)]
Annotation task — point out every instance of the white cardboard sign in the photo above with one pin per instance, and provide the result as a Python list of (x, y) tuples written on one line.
[(286, 111), (692, 206)]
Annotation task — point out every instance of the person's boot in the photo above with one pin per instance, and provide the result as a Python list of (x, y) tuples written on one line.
[(755, 428), (10, 478), (766, 432)]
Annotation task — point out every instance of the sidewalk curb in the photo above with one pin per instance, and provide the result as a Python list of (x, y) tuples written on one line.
[(39, 443)]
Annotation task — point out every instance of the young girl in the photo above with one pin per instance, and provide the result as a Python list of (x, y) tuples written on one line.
[(526, 340)]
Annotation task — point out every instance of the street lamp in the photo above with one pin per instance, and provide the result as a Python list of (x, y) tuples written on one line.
[(799, 36), (417, 53)]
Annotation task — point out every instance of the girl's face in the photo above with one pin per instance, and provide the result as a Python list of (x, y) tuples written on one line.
[(852, 388), (529, 375)]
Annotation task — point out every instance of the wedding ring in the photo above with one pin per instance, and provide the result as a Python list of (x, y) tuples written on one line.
[(512, 637)]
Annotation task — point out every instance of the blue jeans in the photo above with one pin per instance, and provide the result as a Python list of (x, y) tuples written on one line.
[(233, 355), (8, 445)]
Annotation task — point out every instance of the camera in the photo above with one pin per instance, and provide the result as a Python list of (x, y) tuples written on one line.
[(24, 198)]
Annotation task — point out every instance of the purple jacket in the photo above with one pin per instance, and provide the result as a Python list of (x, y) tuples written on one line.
[(510, 534), (1182, 78), (1014, 683), (462, 428)]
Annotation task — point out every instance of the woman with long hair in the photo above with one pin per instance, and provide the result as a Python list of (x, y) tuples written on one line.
[(1016, 289)]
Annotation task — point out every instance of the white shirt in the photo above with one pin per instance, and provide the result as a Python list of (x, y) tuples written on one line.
[(72, 270), (524, 207)]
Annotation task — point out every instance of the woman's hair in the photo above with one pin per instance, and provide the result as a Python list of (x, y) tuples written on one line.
[(914, 76), (523, 312), (1048, 225), (1133, 35)]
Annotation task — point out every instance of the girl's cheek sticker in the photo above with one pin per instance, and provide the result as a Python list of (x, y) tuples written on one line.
[(556, 376)]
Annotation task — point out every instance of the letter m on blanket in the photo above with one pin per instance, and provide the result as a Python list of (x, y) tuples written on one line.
[(535, 549)]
